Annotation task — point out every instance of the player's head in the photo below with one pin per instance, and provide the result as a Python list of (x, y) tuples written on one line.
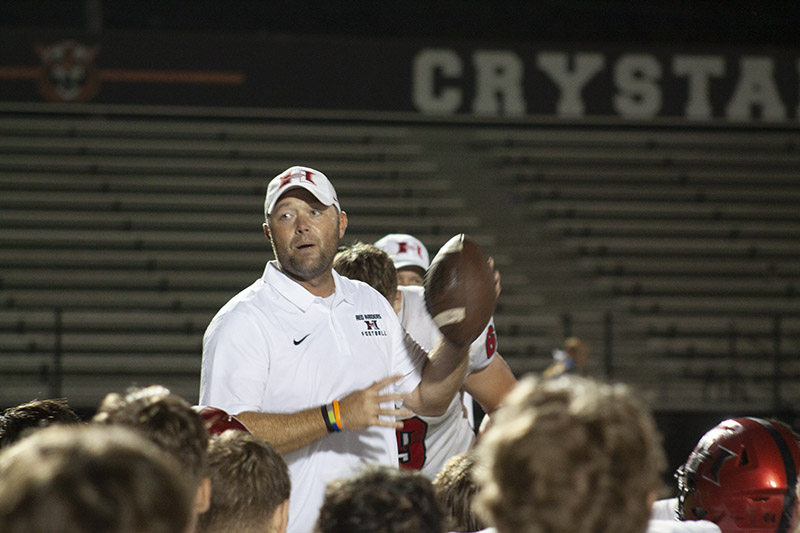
[(251, 486), (304, 222), (18, 421), (742, 475), (409, 255), (381, 500), (165, 418), (78, 478), (569, 454), (169, 421), (455, 488), (370, 264)]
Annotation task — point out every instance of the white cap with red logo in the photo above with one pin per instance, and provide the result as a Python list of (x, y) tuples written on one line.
[(306, 178), (405, 250)]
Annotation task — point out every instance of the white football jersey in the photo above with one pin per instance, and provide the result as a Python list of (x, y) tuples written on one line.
[(425, 443)]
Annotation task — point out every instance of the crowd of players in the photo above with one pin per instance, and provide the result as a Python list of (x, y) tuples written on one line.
[(558, 452), (562, 454)]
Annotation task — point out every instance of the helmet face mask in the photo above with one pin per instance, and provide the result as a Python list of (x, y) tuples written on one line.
[(742, 476)]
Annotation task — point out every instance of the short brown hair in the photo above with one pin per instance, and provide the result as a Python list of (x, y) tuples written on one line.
[(381, 499), (77, 478), (250, 481), (570, 454), (164, 418), (370, 264), (21, 420), (455, 488)]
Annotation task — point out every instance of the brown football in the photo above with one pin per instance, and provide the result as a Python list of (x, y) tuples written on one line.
[(460, 290)]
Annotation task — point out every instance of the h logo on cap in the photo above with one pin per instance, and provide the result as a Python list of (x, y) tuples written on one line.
[(403, 248), (296, 174)]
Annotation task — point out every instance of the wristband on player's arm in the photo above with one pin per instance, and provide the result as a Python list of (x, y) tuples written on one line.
[(332, 417)]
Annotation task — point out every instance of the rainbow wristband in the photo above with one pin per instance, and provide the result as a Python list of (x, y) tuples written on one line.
[(337, 414), (330, 418), (328, 424)]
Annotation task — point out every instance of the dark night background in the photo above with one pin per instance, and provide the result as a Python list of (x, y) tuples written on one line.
[(768, 22)]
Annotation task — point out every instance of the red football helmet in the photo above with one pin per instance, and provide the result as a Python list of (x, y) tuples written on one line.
[(742, 475), (217, 420)]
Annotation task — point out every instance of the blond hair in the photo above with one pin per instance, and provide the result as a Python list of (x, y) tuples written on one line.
[(570, 454)]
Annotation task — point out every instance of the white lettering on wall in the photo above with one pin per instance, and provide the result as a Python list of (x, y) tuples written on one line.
[(431, 68), (570, 81), (633, 85), (636, 78), (756, 88), (498, 83), (698, 70)]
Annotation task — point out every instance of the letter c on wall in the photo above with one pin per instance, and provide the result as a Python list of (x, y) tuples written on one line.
[(431, 67)]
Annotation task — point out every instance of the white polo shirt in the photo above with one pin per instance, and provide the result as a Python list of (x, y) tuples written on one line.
[(427, 442), (277, 348)]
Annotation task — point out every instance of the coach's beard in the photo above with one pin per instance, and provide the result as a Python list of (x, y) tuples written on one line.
[(309, 268)]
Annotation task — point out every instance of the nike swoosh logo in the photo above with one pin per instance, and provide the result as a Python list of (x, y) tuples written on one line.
[(301, 340)]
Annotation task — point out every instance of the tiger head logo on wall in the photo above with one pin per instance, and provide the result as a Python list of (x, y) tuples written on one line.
[(68, 72)]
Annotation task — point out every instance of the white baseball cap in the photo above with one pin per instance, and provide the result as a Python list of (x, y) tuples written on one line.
[(405, 250), (306, 178)]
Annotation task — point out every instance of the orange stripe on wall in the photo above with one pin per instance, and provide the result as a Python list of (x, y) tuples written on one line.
[(140, 76), (19, 73), (172, 76)]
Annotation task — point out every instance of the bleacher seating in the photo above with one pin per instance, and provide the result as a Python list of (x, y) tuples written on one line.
[(125, 235), (673, 252), (690, 237)]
